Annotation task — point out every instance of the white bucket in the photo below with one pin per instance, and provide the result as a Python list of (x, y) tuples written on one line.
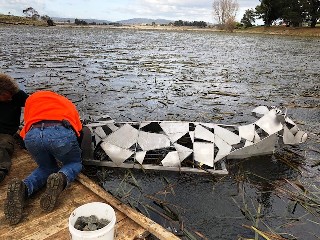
[(101, 210)]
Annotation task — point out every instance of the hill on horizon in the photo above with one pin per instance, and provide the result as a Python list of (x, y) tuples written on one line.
[(88, 20), (130, 21), (127, 21), (145, 21)]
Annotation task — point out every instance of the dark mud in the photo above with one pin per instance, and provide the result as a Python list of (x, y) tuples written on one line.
[(191, 76)]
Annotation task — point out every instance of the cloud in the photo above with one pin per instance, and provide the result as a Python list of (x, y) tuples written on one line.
[(173, 9), (248, 3), (17, 6), (178, 3), (187, 10)]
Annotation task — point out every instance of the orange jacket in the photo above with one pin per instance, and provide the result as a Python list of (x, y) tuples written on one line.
[(46, 105)]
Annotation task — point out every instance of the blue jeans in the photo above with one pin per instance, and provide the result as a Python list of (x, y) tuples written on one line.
[(55, 149)]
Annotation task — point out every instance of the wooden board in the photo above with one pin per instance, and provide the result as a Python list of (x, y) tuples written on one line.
[(37, 224)]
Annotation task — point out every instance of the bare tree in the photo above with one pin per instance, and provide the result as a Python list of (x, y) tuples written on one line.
[(224, 11)]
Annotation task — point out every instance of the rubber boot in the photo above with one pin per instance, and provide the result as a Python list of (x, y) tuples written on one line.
[(56, 182), (14, 204)]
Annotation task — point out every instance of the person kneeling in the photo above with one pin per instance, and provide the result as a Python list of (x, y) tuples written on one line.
[(51, 133), (12, 100)]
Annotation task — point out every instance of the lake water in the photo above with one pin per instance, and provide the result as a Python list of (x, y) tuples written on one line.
[(193, 76)]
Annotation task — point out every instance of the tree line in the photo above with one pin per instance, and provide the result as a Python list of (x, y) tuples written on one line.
[(81, 22), (181, 23), (291, 12), (33, 14)]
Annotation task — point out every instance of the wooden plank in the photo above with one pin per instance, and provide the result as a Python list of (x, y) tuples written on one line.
[(126, 230), (37, 224), (153, 227)]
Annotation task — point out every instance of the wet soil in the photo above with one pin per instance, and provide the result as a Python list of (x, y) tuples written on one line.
[(191, 76)]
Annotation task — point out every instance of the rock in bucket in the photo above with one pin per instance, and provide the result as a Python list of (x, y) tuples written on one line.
[(94, 220)]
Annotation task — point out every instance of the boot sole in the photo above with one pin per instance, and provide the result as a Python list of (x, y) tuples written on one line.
[(49, 198), (13, 206)]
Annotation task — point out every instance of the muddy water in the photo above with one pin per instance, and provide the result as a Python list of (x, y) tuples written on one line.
[(192, 76)]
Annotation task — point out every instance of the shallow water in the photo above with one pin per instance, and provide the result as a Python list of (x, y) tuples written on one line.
[(191, 76)]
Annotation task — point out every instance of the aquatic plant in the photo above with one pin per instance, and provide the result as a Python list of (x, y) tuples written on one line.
[(305, 194)]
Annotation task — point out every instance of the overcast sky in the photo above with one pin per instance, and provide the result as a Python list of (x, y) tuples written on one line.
[(187, 10)]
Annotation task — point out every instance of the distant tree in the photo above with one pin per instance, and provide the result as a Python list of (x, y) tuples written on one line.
[(312, 8), (48, 20), (293, 13), (248, 18), (224, 11), (200, 24), (239, 25), (178, 23), (270, 10), (80, 22), (45, 17), (31, 13)]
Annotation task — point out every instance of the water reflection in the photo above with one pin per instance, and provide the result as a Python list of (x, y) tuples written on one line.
[(266, 173), (195, 202)]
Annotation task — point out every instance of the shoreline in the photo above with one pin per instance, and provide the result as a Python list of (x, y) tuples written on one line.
[(273, 30)]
